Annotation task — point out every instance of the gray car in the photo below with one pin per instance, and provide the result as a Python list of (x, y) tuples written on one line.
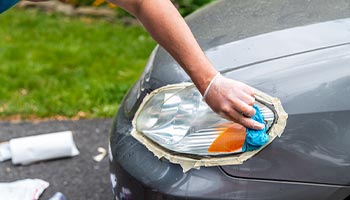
[(298, 51)]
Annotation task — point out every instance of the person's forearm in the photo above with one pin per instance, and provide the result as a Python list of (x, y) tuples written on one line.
[(231, 99), (174, 35)]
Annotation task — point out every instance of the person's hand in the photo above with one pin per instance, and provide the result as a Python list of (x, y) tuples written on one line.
[(232, 100)]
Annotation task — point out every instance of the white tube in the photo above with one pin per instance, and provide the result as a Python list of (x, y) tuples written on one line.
[(5, 152), (31, 149)]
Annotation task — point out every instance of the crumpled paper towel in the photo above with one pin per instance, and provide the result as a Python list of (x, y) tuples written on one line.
[(26, 189)]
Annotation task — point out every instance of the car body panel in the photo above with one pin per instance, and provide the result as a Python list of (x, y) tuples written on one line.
[(315, 144)]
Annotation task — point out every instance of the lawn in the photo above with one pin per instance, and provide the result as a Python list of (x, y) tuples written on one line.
[(52, 65)]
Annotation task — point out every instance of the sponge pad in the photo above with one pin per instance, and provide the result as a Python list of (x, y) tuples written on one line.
[(256, 138)]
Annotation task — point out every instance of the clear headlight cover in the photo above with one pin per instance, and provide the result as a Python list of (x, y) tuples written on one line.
[(178, 120)]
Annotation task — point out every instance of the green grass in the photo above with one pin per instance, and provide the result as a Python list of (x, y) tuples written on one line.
[(56, 65)]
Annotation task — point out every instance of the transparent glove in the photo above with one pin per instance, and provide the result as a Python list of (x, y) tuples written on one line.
[(232, 100)]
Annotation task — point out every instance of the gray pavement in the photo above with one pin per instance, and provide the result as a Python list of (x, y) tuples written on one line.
[(79, 177)]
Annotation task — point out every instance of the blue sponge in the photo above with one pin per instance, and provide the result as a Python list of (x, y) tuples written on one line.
[(256, 138)]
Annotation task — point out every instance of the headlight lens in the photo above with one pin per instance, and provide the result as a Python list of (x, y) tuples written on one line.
[(177, 119)]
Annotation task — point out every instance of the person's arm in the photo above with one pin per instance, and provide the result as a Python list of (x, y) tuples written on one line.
[(229, 98)]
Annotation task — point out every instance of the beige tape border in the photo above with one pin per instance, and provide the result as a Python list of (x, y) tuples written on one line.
[(188, 163)]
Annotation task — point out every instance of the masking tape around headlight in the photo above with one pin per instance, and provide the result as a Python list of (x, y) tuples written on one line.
[(189, 162)]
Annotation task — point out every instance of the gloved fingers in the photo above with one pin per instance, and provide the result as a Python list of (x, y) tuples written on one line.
[(234, 93), (247, 99), (242, 107), (247, 110), (249, 90), (250, 123), (233, 115)]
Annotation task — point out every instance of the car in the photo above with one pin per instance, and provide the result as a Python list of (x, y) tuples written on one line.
[(297, 51)]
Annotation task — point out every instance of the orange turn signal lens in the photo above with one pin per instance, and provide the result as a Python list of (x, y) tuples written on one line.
[(231, 138)]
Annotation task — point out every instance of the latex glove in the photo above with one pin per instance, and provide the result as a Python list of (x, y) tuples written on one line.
[(232, 100)]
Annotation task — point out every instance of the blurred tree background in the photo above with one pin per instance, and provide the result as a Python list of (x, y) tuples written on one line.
[(185, 7), (58, 66)]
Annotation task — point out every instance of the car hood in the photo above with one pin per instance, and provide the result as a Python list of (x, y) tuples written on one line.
[(224, 22)]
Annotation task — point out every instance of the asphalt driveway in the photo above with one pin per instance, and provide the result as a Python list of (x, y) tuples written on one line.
[(78, 178)]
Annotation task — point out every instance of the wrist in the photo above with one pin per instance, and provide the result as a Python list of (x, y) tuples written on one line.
[(210, 85), (203, 79)]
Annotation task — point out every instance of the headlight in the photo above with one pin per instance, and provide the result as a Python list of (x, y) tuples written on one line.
[(174, 120), (178, 119)]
